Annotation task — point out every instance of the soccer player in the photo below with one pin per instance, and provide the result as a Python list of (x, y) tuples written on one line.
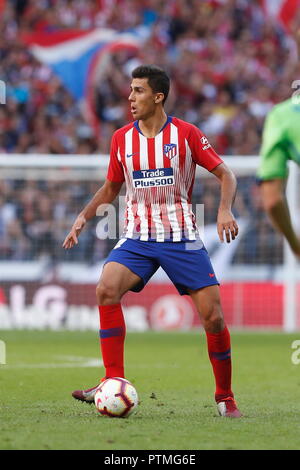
[(156, 155), (280, 143)]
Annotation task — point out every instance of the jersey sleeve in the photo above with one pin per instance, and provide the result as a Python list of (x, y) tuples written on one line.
[(115, 172), (273, 154), (202, 152)]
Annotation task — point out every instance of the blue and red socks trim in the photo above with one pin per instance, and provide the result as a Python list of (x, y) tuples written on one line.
[(219, 351), (112, 337)]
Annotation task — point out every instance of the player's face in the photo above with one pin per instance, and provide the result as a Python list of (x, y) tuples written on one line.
[(143, 101)]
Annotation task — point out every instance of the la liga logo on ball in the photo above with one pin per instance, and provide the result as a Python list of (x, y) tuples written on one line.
[(116, 397)]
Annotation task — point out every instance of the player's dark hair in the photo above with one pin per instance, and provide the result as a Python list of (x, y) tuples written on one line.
[(158, 80)]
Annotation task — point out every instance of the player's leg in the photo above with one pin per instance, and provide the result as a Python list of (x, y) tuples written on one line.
[(189, 267), (208, 304), (127, 268), (115, 281)]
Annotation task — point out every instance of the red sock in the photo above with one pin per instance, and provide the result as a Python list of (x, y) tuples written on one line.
[(112, 338), (218, 345)]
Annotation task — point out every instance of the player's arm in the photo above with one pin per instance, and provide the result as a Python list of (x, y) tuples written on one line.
[(105, 195), (273, 174), (204, 155), (276, 206), (226, 222)]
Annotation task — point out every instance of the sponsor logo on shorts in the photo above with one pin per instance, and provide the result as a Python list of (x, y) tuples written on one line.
[(153, 178)]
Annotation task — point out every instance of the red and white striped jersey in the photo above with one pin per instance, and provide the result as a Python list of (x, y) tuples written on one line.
[(159, 173)]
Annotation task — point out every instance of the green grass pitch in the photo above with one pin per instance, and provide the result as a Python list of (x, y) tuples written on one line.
[(173, 377)]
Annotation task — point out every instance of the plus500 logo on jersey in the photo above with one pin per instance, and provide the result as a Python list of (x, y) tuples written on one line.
[(152, 178)]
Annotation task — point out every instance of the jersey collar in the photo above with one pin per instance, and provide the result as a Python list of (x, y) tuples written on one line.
[(169, 119)]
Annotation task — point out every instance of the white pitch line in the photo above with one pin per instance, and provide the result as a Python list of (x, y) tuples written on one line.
[(74, 361)]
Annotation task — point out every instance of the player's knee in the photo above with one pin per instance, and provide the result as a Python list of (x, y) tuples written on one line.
[(213, 320), (107, 294)]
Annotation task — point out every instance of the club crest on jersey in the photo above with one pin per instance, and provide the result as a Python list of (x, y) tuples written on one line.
[(170, 150)]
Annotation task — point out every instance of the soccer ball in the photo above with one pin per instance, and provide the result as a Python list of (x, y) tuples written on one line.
[(116, 398)]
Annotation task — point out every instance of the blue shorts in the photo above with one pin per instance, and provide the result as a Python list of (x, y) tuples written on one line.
[(187, 264)]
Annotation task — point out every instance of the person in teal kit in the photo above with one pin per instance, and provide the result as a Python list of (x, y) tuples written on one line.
[(280, 143)]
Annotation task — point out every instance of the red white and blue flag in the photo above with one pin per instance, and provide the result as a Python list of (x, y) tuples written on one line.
[(78, 57), (284, 11)]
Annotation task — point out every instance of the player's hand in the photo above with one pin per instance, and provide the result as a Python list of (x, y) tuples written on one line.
[(226, 224), (72, 237)]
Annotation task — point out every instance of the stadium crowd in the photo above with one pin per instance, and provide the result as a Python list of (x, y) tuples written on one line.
[(228, 62)]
